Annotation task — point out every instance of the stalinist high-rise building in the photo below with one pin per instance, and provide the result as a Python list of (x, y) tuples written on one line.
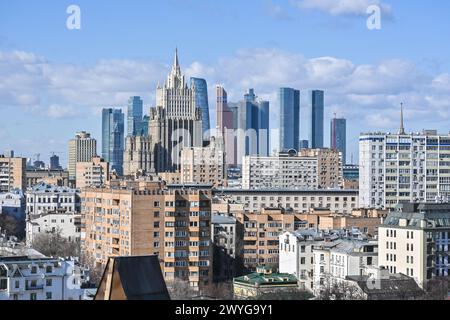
[(176, 121)]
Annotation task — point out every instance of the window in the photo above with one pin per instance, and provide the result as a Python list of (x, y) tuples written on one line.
[(48, 269), (33, 296), (33, 269), (48, 282), (48, 295), (156, 214)]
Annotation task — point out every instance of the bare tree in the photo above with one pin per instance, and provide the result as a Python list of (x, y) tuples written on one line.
[(53, 244), (181, 290), (437, 289), (336, 289), (11, 226), (96, 270)]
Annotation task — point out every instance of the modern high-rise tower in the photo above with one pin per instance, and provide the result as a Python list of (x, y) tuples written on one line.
[(289, 100), (201, 99), (317, 111), (113, 127), (134, 116), (338, 137), (175, 122)]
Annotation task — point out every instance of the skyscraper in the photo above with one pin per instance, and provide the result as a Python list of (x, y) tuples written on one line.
[(224, 113), (201, 100), (113, 128), (134, 116), (176, 122), (54, 163), (338, 137), (317, 110), (289, 100), (81, 149), (253, 126)]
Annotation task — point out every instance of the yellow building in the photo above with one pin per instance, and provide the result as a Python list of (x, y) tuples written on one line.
[(92, 173), (12, 173)]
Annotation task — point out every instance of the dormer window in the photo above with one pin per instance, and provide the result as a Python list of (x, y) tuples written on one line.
[(33, 270), (48, 269)]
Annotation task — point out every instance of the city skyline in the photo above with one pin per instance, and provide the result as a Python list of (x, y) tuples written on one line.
[(362, 79)]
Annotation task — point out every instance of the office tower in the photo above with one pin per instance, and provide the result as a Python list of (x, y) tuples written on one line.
[(304, 144), (414, 240), (317, 110), (113, 128), (134, 116), (94, 173), (403, 167), (12, 173), (289, 100), (81, 149), (253, 127), (224, 113), (138, 156), (338, 137), (54, 163), (204, 165), (174, 224), (200, 88), (176, 122)]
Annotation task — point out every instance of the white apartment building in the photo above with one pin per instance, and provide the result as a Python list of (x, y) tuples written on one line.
[(13, 203), (415, 240), (336, 260), (280, 172), (300, 201), (30, 278), (403, 167), (312, 169), (44, 198), (68, 223)]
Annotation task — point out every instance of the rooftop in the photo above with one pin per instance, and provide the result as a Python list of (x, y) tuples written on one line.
[(261, 279), (49, 188)]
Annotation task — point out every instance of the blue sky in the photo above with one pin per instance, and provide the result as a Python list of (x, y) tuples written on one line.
[(54, 81)]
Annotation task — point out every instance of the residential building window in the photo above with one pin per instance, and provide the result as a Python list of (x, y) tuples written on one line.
[(48, 295), (48, 282)]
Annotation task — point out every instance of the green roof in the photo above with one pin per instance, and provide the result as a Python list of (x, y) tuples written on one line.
[(267, 279)]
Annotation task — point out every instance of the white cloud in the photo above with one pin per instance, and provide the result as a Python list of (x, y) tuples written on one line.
[(342, 7)]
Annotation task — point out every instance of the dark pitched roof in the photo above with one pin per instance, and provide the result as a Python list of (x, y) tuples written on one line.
[(133, 278)]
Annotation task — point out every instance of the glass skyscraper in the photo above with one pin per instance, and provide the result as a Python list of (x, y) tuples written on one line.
[(253, 126), (134, 116), (338, 137), (113, 127), (289, 100), (201, 99), (317, 111)]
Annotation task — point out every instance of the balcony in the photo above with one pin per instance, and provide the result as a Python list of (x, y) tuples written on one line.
[(34, 288)]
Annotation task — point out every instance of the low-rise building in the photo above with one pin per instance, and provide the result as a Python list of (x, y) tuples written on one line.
[(44, 198), (336, 260), (67, 223), (13, 204), (26, 274), (263, 281)]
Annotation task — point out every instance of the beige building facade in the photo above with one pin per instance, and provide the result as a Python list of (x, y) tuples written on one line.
[(94, 173), (12, 173)]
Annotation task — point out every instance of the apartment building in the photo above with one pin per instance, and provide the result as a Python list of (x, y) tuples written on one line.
[(309, 169), (44, 198), (299, 201), (145, 219), (415, 240), (94, 173), (12, 173), (204, 164), (403, 167), (13, 204), (81, 149), (227, 236)]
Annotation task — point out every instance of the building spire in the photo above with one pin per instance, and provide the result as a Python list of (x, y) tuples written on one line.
[(402, 127), (176, 64)]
